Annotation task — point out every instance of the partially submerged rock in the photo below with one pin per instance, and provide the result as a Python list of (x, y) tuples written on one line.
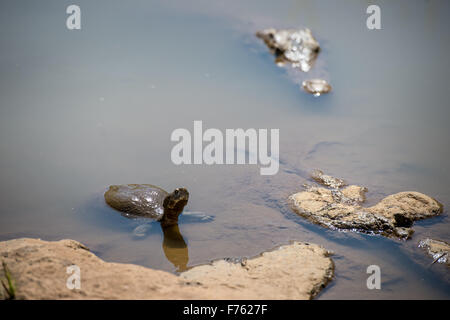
[(39, 271), (438, 250), (342, 209), (297, 47), (327, 180), (316, 87), (296, 271)]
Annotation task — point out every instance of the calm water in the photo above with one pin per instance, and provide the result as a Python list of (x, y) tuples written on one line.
[(81, 110)]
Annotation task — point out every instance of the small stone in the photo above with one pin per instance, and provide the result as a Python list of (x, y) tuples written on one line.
[(437, 249), (295, 271), (327, 180), (316, 87), (355, 194)]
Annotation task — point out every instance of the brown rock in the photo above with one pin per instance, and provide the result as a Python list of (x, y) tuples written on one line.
[(39, 271), (265, 276), (437, 249), (355, 193), (410, 205), (342, 209), (316, 87), (327, 180)]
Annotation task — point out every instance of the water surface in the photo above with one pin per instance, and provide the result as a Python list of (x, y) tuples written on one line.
[(81, 110)]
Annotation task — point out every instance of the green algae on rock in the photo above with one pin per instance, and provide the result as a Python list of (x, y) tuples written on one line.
[(341, 208)]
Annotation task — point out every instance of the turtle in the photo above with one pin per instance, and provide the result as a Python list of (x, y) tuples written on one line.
[(144, 202)]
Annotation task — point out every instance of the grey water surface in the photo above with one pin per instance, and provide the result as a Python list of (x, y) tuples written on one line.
[(83, 109)]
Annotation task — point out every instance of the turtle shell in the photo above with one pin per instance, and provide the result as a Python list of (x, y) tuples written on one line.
[(137, 200)]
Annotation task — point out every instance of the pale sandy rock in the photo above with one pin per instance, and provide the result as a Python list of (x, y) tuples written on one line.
[(337, 208), (327, 180), (39, 271), (355, 193), (437, 249), (262, 277), (409, 204)]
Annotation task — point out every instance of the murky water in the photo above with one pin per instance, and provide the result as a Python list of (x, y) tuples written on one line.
[(81, 110)]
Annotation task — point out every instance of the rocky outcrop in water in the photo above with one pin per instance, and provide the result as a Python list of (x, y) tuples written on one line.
[(316, 87), (296, 47), (38, 270), (437, 249), (341, 208)]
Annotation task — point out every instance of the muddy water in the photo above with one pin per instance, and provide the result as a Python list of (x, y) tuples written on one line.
[(80, 110)]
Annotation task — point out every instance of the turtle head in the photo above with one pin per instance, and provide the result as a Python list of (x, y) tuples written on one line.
[(177, 199), (173, 206)]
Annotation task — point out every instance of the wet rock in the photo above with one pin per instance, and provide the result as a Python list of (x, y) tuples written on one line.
[(327, 180), (341, 208), (142, 230), (316, 87), (297, 47), (39, 271), (438, 250)]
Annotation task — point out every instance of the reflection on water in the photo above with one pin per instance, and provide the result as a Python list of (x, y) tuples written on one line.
[(175, 248)]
